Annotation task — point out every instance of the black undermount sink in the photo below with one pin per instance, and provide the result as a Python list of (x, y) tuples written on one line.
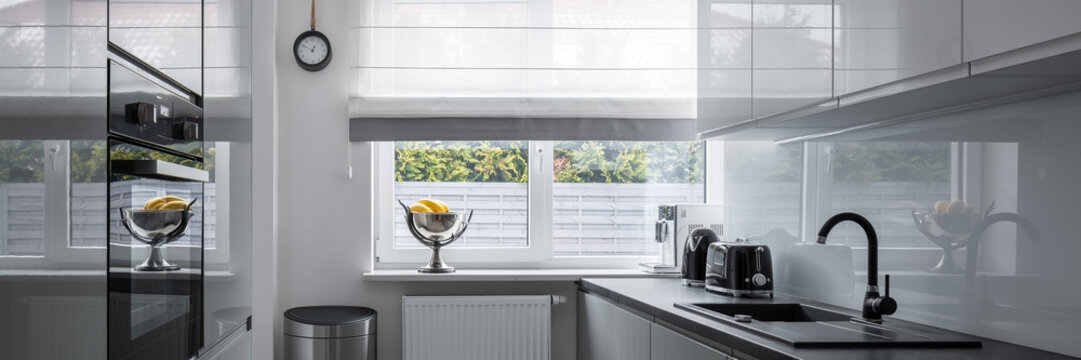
[(776, 312), (805, 326)]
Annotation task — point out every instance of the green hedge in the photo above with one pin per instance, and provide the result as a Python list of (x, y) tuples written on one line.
[(573, 162)]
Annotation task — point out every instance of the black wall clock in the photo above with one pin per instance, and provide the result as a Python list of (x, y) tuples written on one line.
[(312, 49)]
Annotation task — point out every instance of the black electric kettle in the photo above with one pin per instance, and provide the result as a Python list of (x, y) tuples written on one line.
[(694, 256)]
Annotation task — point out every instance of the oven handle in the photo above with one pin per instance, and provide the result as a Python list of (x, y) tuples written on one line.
[(159, 170)]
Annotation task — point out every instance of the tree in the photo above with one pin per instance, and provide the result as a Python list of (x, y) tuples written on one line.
[(573, 162), (22, 161)]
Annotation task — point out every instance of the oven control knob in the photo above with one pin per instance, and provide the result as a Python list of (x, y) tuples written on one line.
[(759, 279), (186, 130), (142, 113)]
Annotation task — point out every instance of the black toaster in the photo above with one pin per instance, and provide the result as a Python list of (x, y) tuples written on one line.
[(739, 269)]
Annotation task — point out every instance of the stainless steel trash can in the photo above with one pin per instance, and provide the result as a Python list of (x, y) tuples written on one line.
[(330, 333)]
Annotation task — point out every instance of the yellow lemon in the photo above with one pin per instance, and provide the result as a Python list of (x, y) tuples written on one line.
[(442, 204), (154, 203), (956, 207), (942, 206), (174, 205), (418, 207), (434, 205)]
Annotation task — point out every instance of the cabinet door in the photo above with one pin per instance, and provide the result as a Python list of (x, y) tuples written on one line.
[(667, 344), (724, 63), (997, 26), (227, 256), (606, 332), (793, 54), (167, 34), (880, 41), (240, 350)]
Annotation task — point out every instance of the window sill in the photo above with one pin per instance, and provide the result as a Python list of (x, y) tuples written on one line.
[(510, 275), (46, 274)]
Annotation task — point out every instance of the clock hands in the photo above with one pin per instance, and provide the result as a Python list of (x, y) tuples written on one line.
[(311, 50)]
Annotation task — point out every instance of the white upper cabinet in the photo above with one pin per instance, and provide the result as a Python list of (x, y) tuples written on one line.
[(997, 26), (792, 54), (881, 41), (724, 63)]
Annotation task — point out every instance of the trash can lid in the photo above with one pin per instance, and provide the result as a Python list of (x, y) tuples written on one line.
[(329, 321)]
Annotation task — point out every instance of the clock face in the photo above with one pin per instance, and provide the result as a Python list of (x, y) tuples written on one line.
[(312, 50)]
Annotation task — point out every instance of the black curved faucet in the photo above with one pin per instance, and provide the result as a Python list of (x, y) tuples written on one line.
[(874, 305)]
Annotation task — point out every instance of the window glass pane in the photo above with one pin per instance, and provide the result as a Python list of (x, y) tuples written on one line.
[(22, 197), (762, 191), (88, 194), (606, 193), (488, 177), (886, 182)]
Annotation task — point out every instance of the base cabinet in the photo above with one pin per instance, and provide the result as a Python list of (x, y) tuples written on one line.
[(607, 331), (667, 344)]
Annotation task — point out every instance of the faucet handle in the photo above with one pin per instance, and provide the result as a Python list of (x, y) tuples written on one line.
[(887, 285), (885, 305)]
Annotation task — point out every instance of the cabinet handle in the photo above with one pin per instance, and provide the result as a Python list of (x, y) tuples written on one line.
[(159, 170)]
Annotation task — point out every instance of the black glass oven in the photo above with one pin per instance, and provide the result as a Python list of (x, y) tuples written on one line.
[(155, 222)]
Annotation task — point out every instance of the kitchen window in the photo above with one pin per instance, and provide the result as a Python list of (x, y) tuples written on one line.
[(537, 203)]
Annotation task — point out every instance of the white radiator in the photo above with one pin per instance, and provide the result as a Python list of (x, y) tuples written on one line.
[(65, 327), (477, 327)]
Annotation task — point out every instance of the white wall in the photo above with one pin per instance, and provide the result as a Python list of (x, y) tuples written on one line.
[(324, 230)]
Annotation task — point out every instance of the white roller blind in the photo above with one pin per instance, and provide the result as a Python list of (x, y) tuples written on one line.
[(521, 69)]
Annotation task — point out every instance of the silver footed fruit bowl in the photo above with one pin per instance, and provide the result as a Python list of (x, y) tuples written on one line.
[(156, 228), (436, 230)]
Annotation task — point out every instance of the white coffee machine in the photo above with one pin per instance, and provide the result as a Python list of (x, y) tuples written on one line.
[(674, 225)]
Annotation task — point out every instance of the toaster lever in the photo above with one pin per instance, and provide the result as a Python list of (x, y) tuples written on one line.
[(758, 259)]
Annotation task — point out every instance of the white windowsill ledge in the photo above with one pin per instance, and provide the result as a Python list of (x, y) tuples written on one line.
[(45, 274), (509, 275)]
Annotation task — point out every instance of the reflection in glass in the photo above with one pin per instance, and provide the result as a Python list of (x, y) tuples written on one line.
[(1018, 160), (762, 186), (22, 197), (886, 182), (88, 193), (52, 96)]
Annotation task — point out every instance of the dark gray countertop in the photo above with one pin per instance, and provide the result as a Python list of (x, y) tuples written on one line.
[(656, 297)]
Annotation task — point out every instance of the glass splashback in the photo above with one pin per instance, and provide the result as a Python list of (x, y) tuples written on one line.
[(929, 187)]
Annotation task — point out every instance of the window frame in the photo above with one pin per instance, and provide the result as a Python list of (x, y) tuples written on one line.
[(537, 254)]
